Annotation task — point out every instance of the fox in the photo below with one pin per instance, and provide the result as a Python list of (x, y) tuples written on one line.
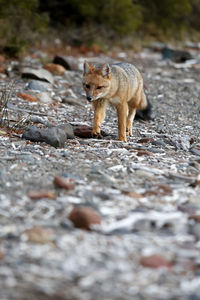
[(120, 85)]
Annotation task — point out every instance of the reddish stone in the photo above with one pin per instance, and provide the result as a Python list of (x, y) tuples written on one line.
[(27, 97), (145, 140), (83, 217), (65, 183), (83, 131), (143, 153), (155, 261), (36, 195), (55, 69)]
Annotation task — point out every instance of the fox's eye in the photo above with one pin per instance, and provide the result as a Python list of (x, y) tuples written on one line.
[(99, 87), (87, 86)]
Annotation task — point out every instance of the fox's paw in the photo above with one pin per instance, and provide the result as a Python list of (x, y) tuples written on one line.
[(122, 138), (97, 135), (129, 132)]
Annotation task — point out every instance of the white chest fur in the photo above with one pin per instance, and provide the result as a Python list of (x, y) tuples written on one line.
[(114, 101)]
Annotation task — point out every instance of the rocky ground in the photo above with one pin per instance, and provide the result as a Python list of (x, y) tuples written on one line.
[(90, 219)]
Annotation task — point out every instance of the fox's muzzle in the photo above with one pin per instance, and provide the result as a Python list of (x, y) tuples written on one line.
[(89, 98)]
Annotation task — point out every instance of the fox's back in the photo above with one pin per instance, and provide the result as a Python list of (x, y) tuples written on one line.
[(126, 72), (127, 67), (126, 76)]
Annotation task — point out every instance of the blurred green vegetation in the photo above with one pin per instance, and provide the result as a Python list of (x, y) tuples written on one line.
[(21, 24), (24, 22)]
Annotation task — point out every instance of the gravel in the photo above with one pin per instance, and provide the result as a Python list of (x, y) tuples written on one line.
[(146, 192)]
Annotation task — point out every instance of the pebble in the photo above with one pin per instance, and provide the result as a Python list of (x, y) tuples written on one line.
[(65, 183), (39, 235), (84, 217), (37, 195), (156, 150), (155, 261), (158, 143)]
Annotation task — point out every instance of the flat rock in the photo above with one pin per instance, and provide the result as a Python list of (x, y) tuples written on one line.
[(85, 131), (40, 74)]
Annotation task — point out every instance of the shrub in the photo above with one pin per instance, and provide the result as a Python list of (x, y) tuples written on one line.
[(168, 16), (119, 17), (20, 24)]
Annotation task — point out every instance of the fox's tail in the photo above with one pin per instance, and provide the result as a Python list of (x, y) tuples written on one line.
[(145, 109)]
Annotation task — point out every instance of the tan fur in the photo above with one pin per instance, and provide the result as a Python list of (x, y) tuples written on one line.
[(120, 85)]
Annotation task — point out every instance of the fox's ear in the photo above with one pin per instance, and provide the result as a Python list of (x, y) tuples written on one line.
[(106, 70), (86, 67)]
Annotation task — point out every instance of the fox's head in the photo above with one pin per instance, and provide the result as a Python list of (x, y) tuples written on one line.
[(96, 81)]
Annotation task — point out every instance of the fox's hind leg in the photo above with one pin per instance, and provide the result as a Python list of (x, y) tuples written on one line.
[(122, 114), (130, 118)]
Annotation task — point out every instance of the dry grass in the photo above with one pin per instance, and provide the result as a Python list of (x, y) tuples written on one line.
[(6, 119)]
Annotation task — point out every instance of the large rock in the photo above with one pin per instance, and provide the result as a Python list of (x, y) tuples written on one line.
[(36, 85), (40, 74), (68, 62), (178, 56), (53, 136), (68, 129)]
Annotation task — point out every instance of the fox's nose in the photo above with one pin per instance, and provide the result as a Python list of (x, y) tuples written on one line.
[(89, 98)]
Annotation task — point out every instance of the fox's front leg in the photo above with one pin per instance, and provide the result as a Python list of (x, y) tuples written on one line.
[(122, 115), (99, 115)]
